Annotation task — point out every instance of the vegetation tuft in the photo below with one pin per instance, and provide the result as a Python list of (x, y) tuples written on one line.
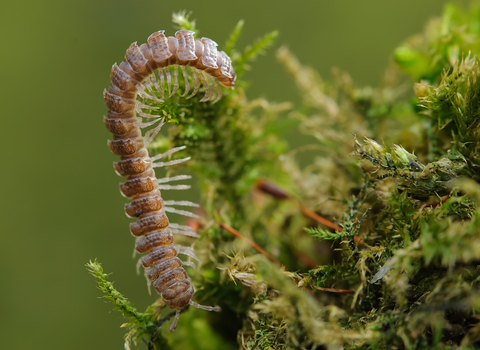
[(375, 244)]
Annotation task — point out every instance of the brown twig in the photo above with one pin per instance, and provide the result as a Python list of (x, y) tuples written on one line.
[(280, 194), (306, 260), (249, 241), (272, 190), (318, 218), (332, 290)]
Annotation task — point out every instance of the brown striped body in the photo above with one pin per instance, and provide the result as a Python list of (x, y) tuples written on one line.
[(170, 278)]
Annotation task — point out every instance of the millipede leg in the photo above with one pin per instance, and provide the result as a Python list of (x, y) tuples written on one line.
[(146, 125), (145, 115), (219, 91), (149, 283), (195, 83), (141, 91), (185, 78), (183, 230), (190, 263), (158, 88), (181, 212), (161, 74), (173, 178), (207, 88), (183, 203), (211, 85), (174, 324), (184, 233), (169, 163), (211, 82), (167, 153), (208, 308), (175, 81), (148, 84), (169, 80), (174, 187), (188, 251), (150, 134), (140, 106), (139, 262)]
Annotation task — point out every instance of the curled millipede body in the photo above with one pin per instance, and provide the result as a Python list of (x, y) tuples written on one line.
[(146, 73)]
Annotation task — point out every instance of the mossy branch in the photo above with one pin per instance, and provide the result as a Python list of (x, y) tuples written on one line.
[(252, 51), (182, 21), (325, 235), (232, 39), (119, 301), (140, 324)]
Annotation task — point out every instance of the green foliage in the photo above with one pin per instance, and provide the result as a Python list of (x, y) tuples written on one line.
[(251, 51), (453, 105), (140, 324), (401, 269), (325, 235), (444, 42), (121, 303), (408, 247), (414, 177), (232, 40), (182, 21)]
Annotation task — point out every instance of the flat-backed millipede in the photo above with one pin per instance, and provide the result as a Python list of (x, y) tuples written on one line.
[(144, 73)]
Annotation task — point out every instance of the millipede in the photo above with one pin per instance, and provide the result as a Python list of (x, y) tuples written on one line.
[(151, 72)]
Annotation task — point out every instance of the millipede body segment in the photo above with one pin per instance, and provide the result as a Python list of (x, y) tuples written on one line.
[(146, 73)]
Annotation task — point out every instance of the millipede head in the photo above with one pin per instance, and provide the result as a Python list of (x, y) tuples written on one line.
[(228, 76)]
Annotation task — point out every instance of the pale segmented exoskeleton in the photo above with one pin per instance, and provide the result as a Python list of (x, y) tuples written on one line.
[(144, 73)]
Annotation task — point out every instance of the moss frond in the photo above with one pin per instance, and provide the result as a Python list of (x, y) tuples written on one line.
[(182, 20), (232, 39), (139, 324), (252, 51)]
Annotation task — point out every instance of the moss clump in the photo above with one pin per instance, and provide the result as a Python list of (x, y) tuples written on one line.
[(397, 266)]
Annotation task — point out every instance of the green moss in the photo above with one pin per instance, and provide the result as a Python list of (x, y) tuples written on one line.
[(401, 270)]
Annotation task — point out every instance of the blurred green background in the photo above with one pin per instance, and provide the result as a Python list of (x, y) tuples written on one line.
[(61, 205)]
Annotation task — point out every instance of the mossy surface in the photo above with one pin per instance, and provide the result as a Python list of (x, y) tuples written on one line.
[(395, 171)]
